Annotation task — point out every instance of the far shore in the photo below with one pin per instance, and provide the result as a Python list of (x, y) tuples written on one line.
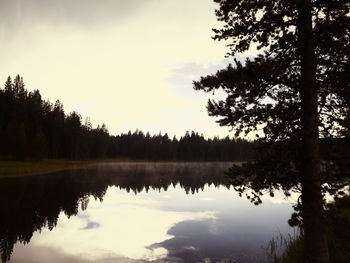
[(29, 168)]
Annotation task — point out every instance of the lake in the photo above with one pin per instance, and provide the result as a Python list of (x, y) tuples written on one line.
[(136, 212)]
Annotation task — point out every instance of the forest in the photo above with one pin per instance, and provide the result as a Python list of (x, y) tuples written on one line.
[(33, 129)]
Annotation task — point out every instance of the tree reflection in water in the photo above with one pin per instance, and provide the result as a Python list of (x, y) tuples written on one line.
[(30, 203)]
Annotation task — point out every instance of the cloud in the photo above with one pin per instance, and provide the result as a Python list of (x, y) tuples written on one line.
[(182, 77), (91, 225), (15, 13), (127, 63)]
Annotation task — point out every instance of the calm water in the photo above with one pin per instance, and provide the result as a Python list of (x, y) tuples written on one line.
[(136, 212)]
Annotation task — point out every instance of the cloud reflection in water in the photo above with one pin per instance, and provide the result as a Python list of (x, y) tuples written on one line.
[(123, 225), (173, 220)]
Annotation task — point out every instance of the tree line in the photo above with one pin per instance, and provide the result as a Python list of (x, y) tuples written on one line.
[(32, 129)]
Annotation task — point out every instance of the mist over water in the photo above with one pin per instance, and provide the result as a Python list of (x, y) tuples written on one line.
[(136, 212)]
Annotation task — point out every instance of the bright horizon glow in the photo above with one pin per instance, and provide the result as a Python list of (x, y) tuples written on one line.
[(129, 64)]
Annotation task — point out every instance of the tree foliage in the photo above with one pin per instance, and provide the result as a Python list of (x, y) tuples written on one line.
[(295, 91), (263, 93), (33, 129)]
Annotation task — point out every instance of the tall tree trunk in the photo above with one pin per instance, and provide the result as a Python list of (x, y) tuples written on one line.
[(316, 248)]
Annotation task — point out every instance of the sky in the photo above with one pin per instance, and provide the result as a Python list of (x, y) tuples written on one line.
[(128, 64)]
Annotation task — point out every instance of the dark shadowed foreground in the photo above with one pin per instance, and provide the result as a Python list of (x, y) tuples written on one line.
[(135, 212)]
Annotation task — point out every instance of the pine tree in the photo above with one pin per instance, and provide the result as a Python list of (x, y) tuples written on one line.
[(294, 90)]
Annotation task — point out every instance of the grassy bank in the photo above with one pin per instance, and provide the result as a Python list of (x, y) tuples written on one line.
[(338, 235), (18, 168), (26, 168)]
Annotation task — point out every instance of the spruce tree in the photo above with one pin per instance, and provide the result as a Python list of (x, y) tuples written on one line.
[(294, 91)]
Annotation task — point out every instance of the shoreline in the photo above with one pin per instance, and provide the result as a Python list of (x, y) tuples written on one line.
[(12, 169)]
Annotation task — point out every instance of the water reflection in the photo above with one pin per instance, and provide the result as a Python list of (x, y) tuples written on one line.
[(150, 212)]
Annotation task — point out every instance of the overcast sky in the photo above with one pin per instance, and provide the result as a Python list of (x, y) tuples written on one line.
[(126, 63)]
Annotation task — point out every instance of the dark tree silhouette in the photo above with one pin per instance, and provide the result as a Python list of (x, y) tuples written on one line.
[(296, 90), (33, 129)]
